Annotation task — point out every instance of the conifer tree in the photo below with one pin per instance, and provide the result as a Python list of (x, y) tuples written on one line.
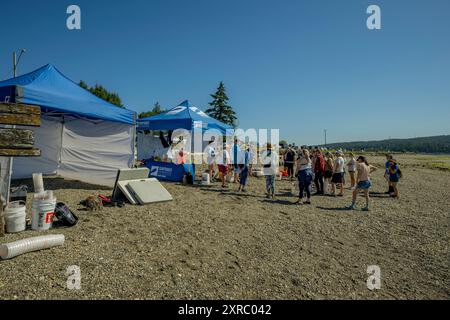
[(219, 108)]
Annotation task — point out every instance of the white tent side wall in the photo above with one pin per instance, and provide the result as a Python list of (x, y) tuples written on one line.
[(79, 149), (149, 146), (93, 152), (47, 138)]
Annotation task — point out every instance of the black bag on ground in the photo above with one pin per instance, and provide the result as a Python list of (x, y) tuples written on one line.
[(65, 215), (188, 178)]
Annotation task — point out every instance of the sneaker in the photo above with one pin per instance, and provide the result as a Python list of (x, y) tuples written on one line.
[(351, 207), (366, 208)]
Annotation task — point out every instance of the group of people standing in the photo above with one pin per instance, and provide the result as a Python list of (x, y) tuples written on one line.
[(234, 159), (327, 171), (234, 164)]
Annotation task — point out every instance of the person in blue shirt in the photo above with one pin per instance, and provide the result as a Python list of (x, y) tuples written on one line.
[(389, 157), (244, 168), (394, 177), (235, 152)]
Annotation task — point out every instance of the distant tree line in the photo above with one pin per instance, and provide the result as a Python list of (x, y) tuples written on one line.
[(156, 110), (219, 108), (102, 93), (435, 144)]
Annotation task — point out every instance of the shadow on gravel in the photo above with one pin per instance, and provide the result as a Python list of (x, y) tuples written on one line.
[(231, 192), (285, 194), (278, 201), (58, 183), (379, 195), (334, 209)]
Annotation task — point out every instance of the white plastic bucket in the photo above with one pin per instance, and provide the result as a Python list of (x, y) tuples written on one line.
[(38, 183), (206, 180), (15, 217), (42, 214)]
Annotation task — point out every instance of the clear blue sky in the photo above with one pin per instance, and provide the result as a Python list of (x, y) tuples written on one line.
[(300, 66)]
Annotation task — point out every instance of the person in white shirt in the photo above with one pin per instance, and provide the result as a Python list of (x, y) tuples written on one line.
[(352, 166), (305, 176), (270, 161), (252, 159), (338, 174), (211, 158), (223, 164)]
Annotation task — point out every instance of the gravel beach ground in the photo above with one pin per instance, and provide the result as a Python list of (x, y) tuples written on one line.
[(211, 243)]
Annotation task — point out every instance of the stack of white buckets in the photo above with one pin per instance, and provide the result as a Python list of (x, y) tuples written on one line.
[(42, 212)]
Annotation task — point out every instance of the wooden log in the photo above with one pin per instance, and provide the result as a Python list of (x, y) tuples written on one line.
[(20, 152), (33, 120), (19, 109), (16, 138)]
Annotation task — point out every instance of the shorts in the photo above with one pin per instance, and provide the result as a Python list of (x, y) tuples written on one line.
[(364, 185), (328, 174), (337, 177), (393, 178), (223, 169)]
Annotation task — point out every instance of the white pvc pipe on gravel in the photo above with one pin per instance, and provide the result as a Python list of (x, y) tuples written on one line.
[(14, 249)]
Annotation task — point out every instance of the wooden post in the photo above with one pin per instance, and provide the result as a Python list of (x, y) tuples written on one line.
[(17, 142)]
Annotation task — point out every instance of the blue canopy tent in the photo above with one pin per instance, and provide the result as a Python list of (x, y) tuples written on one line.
[(49, 88), (81, 136), (184, 116)]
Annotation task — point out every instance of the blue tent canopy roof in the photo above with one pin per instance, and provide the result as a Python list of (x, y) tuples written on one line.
[(49, 88), (184, 116)]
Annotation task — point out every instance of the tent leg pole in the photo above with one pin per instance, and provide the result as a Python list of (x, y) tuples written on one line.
[(9, 176), (134, 143), (61, 147), (2, 224)]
